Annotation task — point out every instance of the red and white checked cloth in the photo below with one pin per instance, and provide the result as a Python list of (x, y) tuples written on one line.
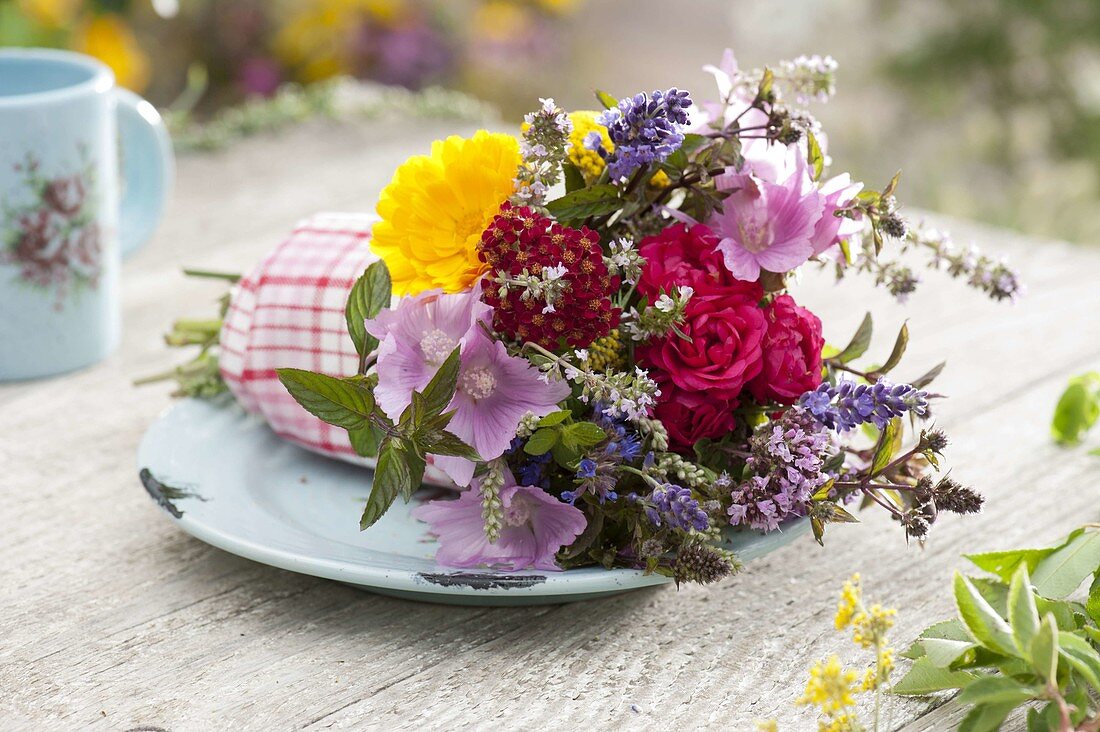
[(289, 312)]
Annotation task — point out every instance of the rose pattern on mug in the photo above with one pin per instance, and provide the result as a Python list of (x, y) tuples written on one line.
[(54, 239)]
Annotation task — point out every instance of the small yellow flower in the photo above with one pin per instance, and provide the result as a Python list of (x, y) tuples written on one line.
[(316, 38), (607, 353), (869, 627), (851, 596), (831, 687), (846, 722), (436, 208), (879, 674), (109, 38), (589, 162), (767, 725)]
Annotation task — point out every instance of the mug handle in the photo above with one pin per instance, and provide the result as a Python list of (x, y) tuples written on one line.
[(148, 167)]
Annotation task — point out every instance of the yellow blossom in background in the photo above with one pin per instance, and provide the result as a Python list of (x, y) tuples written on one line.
[(109, 38), (315, 38), (767, 725), (846, 722), (436, 208), (560, 7), (831, 687), (501, 21), (51, 13)]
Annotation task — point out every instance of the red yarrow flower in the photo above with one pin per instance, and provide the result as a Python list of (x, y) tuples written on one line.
[(682, 255), (792, 353), (520, 239), (727, 329)]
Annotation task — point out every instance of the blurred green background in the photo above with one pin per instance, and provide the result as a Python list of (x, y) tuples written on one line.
[(991, 107)]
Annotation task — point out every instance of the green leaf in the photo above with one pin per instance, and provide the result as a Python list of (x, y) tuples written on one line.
[(1092, 605), (449, 444), (338, 402), (951, 630), (860, 341), (929, 377), (888, 443), (986, 717), (595, 200), (365, 440), (943, 652), (892, 185), (555, 418), (606, 99), (1059, 574), (1023, 617), (998, 690), (370, 293), (1004, 564), (441, 389), (392, 477), (1080, 654), (542, 441), (896, 354), (1043, 651), (574, 180), (816, 158), (1078, 409), (981, 620), (925, 678), (582, 434)]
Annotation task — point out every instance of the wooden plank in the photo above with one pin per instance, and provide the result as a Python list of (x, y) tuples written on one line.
[(112, 618)]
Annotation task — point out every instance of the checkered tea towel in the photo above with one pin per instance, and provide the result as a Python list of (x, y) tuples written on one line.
[(289, 312)]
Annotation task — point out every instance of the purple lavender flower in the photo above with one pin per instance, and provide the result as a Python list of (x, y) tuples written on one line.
[(673, 505), (645, 129), (847, 405), (788, 459)]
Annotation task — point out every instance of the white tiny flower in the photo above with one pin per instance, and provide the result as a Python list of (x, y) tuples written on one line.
[(664, 303), (581, 354)]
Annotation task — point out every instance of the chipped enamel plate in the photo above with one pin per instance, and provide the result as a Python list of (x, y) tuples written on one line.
[(222, 476)]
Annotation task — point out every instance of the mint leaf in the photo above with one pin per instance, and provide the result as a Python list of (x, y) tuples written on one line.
[(888, 443), (392, 477), (370, 293), (859, 343), (450, 445), (336, 401), (580, 204), (365, 440), (582, 434), (441, 389), (928, 378), (606, 99), (555, 418), (541, 441), (896, 354)]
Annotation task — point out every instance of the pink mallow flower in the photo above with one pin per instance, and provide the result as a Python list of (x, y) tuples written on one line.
[(494, 392), (839, 192), (769, 219), (536, 526), (417, 336)]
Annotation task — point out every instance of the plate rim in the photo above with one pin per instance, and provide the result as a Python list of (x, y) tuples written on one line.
[(469, 583)]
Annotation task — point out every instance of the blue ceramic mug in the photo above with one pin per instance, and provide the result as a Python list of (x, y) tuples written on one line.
[(64, 223)]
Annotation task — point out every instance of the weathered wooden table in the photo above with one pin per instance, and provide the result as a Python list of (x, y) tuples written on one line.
[(112, 618)]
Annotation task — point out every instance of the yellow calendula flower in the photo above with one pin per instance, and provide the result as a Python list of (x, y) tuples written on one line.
[(831, 687), (436, 208), (589, 162), (109, 38)]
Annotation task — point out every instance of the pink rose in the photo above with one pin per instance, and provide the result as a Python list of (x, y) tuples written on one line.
[(680, 255), (65, 195), (727, 328), (692, 416), (792, 353)]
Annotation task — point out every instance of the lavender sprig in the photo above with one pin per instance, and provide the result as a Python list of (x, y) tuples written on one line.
[(847, 405), (646, 128), (673, 506)]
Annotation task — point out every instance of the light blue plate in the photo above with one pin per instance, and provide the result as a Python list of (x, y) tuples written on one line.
[(223, 477)]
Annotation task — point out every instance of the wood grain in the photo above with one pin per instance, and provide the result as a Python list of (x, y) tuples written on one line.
[(112, 619)]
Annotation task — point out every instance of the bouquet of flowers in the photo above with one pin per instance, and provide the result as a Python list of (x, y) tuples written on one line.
[(588, 330)]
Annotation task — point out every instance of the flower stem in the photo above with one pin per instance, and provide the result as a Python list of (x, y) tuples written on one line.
[(210, 274)]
